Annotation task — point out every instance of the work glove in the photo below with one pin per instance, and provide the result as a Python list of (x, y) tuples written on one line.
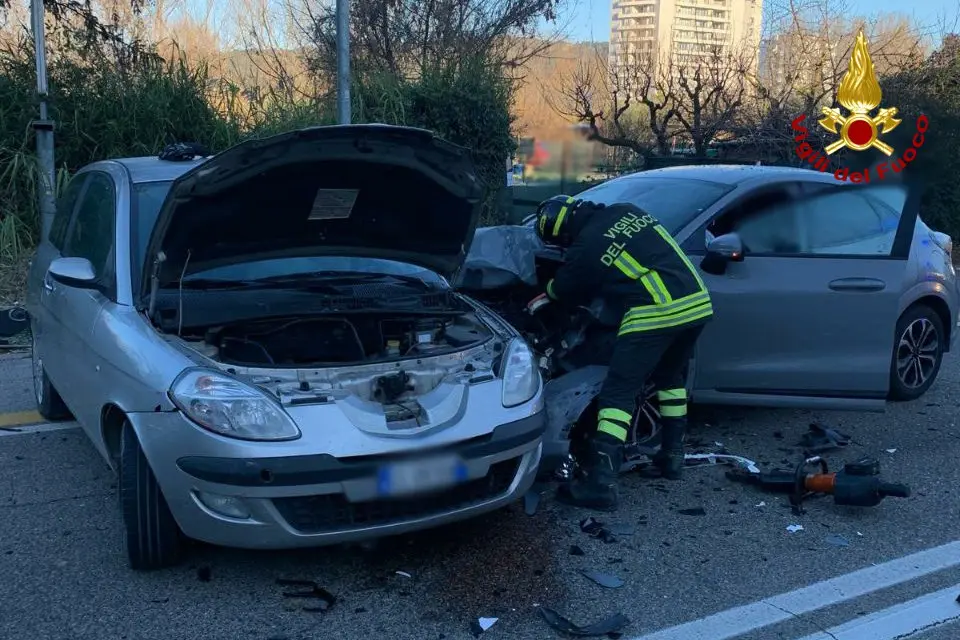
[(538, 303)]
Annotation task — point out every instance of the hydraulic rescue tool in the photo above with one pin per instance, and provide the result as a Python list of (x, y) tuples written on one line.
[(858, 484)]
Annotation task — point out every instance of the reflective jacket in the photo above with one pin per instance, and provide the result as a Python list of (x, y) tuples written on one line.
[(625, 256)]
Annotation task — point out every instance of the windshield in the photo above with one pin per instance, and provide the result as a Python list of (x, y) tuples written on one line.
[(149, 198), (674, 201)]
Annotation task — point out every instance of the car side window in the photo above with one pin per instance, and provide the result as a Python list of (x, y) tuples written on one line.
[(65, 206), (766, 224), (846, 223), (92, 233)]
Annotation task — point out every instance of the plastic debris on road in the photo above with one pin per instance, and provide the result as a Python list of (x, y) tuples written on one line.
[(311, 591), (604, 579), (609, 627), (596, 529), (793, 528), (837, 540), (697, 459), (480, 625), (821, 438), (891, 450), (404, 574)]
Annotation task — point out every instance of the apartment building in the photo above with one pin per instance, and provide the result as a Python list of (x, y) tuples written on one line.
[(683, 30)]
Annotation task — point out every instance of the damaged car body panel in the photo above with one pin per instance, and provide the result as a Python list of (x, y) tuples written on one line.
[(274, 336)]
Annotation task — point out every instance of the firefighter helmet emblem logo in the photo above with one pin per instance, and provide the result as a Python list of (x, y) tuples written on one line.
[(859, 93)]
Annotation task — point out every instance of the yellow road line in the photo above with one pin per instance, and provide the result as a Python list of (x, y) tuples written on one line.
[(19, 417)]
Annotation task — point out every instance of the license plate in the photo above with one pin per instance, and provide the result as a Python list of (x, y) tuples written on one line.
[(420, 476)]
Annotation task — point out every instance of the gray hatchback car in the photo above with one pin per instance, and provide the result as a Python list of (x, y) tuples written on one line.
[(264, 344)]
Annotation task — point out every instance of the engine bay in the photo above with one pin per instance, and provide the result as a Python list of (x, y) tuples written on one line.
[(341, 339)]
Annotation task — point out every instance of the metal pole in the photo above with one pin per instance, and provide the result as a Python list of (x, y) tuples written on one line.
[(343, 61), (43, 126)]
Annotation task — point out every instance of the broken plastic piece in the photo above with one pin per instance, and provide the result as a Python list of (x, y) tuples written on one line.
[(530, 502), (604, 579), (891, 450), (837, 540), (480, 625), (575, 550), (613, 624), (793, 528), (694, 459), (314, 591), (404, 574), (821, 438), (594, 528)]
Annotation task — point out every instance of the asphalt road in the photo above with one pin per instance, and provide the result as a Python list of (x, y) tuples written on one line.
[(62, 560)]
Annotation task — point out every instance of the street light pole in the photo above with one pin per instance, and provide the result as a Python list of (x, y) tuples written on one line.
[(43, 126), (343, 61)]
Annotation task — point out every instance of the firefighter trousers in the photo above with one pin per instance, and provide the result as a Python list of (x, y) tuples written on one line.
[(662, 357)]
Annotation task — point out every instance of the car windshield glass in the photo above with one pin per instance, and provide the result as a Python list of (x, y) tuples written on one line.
[(674, 201)]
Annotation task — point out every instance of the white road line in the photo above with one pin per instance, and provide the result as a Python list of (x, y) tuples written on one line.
[(22, 430), (738, 621), (925, 612)]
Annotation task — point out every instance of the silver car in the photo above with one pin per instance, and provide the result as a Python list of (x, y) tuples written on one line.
[(265, 346), (826, 294)]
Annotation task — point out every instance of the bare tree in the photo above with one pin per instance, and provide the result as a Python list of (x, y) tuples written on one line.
[(807, 46), (711, 93), (645, 102), (406, 36)]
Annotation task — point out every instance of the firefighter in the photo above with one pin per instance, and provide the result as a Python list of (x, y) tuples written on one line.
[(625, 256)]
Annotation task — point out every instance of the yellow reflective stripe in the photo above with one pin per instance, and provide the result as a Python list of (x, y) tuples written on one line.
[(550, 292), (654, 286), (678, 305), (615, 414), (672, 320), (672, 394), (560, 216), (673, 243), (671, 411), (615, 430), (629, 267)]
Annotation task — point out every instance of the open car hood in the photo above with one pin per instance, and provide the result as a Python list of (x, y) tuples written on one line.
[(374, 191)]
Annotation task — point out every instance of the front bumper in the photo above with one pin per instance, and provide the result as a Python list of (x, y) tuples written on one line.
[(314, 500)]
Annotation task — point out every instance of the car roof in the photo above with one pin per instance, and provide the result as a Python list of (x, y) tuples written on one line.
[(732, 174), (153, 169)]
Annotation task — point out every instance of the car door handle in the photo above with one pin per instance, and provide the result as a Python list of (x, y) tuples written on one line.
[(858, 284), (47, 283)]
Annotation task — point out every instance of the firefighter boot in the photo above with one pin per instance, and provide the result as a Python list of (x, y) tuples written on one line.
[(597, 489), (669, 460)]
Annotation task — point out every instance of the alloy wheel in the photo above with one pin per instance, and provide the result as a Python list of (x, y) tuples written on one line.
[(917, 353)]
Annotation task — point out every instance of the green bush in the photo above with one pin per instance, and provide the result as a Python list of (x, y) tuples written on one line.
[(102, 109), (106, 105)]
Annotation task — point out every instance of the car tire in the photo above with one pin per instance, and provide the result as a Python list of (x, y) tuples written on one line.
[(154, 540), (917, 353), (49, 403)]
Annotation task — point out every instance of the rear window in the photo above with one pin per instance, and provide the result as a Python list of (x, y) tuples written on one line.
[(673, 201)]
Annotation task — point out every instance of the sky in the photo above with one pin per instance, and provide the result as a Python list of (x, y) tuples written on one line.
[(589, 20)]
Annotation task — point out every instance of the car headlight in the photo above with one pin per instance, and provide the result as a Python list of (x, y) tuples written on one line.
[(231, 408), (521, 377)]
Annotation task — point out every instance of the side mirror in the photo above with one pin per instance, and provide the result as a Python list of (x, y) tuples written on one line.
[(74, 272), (721, 251)]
